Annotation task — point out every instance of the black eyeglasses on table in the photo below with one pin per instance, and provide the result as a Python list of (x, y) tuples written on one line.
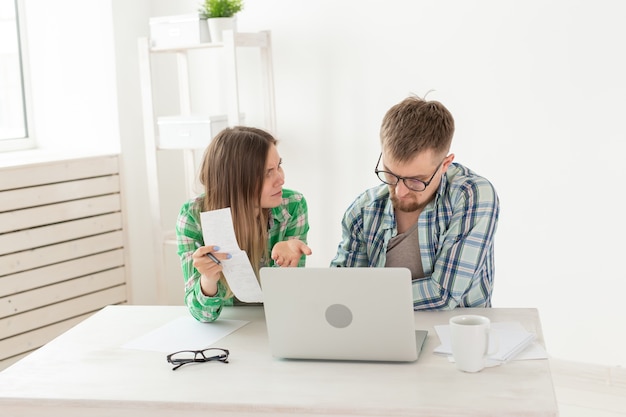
[(197, 356)]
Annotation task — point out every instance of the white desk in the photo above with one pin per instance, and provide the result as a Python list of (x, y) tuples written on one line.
[(85, 372)]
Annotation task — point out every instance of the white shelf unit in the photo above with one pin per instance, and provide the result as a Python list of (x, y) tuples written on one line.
[(232, 41)]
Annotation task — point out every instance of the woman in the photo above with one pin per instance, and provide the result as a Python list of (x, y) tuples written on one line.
[(241, 170)]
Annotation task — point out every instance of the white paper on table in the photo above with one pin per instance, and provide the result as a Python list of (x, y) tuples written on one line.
[(532, 351), (217, 229), (185, 333), (512, 340)]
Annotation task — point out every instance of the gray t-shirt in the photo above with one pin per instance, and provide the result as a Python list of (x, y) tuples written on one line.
[(404, 251)]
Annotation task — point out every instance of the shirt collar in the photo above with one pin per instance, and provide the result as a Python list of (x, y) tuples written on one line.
[(278, 215)]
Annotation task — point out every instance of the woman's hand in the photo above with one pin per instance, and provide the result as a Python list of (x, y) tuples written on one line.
[(208, 268), (288, 252)]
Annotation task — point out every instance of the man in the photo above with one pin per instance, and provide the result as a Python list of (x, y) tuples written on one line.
[(435, 217)]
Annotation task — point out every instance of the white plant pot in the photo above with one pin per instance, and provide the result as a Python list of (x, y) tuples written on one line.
[(218, 24)]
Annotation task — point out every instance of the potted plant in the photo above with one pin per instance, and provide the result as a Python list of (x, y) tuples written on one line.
[(220, 16)]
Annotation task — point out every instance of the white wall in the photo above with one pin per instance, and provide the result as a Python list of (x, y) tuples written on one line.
[(130, 22), (536, 89)]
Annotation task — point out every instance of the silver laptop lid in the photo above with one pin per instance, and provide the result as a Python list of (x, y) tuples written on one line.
[(340, 313)]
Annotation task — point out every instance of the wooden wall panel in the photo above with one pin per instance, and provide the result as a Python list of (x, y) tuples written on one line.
[(54, 313), (47, 255), (62, 271), (52, 193), (59, 232), (53, 172), (57, 213), (31, 300), (61, 249)]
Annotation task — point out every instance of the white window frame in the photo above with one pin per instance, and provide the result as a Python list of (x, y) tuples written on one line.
[(27, 142)]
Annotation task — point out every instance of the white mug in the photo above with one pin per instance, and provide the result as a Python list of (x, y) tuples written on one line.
[(470, 341)]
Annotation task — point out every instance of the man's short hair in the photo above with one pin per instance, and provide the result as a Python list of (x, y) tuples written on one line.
[(415, 125)]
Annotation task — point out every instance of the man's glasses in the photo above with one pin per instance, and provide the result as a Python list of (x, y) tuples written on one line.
[(413, 184), (190, 356)]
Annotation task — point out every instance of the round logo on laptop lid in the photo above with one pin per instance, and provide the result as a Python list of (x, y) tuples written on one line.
[(338, 315)]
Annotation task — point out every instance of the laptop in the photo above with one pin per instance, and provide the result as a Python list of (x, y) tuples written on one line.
[(358, 314)]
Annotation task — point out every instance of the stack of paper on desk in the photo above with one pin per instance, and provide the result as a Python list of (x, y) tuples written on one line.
[(510, 338)]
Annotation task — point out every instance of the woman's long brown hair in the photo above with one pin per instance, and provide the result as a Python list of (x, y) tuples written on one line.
[(232, 173)]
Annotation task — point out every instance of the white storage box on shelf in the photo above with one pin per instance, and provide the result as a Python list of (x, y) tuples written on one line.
[(188, 132), (179, 30)]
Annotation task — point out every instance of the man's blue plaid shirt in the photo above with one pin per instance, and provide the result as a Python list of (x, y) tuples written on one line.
[(456, 235)]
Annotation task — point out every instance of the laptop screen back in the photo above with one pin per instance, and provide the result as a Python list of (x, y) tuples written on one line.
[(340, 313)]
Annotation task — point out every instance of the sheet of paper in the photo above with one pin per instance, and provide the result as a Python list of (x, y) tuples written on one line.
[(512, 340), (185, 333), (217, 229)]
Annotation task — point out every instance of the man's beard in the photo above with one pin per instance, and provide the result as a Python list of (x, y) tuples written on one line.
[(410, 206)]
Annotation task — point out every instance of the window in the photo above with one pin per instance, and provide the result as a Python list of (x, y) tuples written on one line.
[(14, 131)]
